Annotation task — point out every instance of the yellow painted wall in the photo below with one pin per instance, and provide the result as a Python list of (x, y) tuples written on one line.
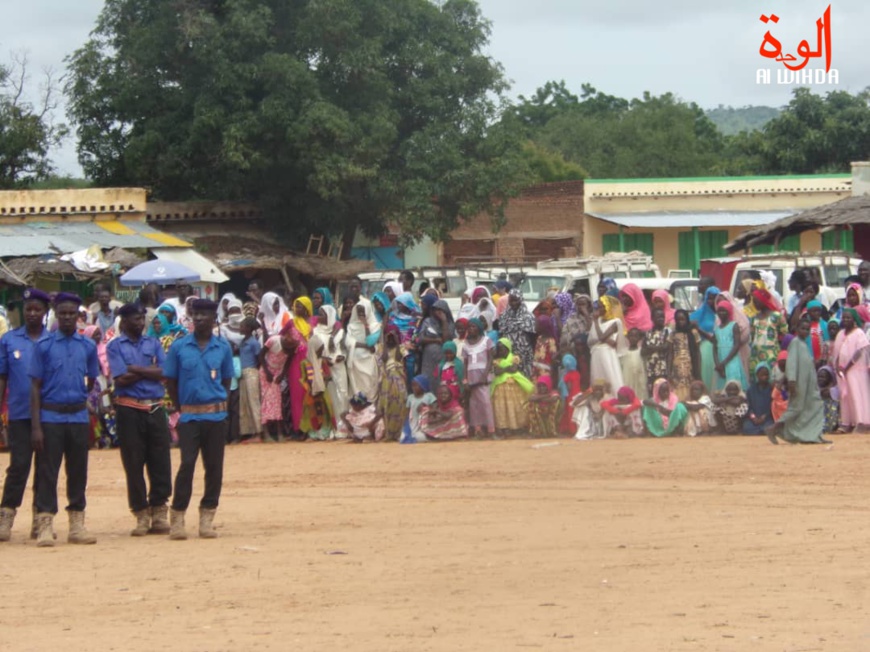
[(83, 204)]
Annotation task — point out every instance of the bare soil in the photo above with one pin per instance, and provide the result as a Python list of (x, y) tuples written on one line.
[(720, 543)]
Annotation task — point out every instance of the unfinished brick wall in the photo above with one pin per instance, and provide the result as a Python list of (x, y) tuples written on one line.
[(545, 218)]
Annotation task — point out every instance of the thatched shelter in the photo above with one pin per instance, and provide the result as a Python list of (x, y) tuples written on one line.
[(28, 269), (849, 213)]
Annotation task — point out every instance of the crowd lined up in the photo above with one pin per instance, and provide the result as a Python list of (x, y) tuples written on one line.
[(400, 366)]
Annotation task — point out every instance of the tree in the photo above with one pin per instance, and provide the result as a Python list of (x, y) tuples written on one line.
[(814, 134), (27, 132), (332, 114), (547, 166)]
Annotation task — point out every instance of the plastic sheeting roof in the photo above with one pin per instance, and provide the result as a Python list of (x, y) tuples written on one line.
[(688, 219), (37, 238), (208, 270)]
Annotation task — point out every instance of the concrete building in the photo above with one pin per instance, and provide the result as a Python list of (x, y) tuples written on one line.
[(681, 221)]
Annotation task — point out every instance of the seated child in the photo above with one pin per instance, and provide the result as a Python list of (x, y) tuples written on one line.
[(591, 419), (362, 422), (702, 417), (731, 407), (626, 412), (759, 402), (417, 403), (663, 414), (544, 408), (445, 419)]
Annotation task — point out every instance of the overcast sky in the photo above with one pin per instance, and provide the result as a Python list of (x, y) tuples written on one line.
[(706, 52)]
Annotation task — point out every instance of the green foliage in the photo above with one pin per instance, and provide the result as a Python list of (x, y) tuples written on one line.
[(648, 137), (54, 182), (26, 131), (732, 121), (548, 166), (814, 134), (332, 114)]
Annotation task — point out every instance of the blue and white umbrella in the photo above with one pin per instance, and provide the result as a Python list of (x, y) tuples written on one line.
[(162, 272)]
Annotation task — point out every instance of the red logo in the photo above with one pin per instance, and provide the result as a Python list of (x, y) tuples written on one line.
[(771, 48)]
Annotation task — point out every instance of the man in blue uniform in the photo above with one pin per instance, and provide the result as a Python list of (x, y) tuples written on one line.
[(136, 364), (199, 370), (62, 371), (16, 351)]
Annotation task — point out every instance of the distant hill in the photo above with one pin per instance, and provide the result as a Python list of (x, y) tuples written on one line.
[(747, 118)]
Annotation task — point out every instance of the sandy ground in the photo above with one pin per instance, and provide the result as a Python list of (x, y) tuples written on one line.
[(642, 545)]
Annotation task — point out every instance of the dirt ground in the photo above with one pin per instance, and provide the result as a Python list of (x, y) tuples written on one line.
[(723, 543)]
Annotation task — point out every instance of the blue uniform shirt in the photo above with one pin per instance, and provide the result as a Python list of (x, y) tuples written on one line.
[(64, 364), (200, 373), (16, 352), (146, 352)]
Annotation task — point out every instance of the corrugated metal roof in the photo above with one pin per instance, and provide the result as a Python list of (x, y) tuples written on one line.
[(688, 219), (37, 238)]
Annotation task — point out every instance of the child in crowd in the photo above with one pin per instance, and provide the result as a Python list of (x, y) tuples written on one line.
[(663, 414), (731, 407), (249, 384), (702, 417), (274, 362), (591, 419), (510, 391), (445, 419), (544, 408), (833, 329), (830, 396), (417, 403), (570, 385), (393, 396), (759, 400), (633, 368), (779, 395), (451, 371), (819, 339), (656, 352), (362, 422), (626, 412)]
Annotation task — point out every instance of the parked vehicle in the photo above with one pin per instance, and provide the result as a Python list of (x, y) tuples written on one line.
[(827, 268)]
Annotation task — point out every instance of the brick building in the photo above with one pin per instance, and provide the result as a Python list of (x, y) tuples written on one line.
[(545, 221)]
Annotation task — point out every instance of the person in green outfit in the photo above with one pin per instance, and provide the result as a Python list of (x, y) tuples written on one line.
[(663, 414), (804, 420)]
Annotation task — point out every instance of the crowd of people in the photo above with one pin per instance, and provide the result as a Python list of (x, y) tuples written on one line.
[(400, 366)]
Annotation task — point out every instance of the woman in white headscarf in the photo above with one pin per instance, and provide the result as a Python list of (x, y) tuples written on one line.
[(327, 342), (231, 325), (223, 307), (275, 313), (393, 289), (363, 332)]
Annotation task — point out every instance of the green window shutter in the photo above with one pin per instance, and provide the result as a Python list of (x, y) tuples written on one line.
[(633, 242), (832, 241), (687, 251), (712, 243), (790, 243), (762, 249)]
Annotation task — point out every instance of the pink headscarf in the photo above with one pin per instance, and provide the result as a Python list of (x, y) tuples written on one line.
[(545, 380), (665, 296), (737, 316), (638, 316)]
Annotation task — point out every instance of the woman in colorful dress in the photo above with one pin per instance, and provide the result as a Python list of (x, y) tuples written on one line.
[(768, 328), (564, 310), (517, 324), (477, 357), (301, 403), (303, 310), (704, 321), (851, 350), (742, 321), (510, 390), (726, 348), (656, 349), (579, 322), (546, 348), (685, 357), (607, 342)]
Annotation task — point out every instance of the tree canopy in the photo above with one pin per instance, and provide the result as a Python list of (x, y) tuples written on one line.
[(27, 132), (332, 114)]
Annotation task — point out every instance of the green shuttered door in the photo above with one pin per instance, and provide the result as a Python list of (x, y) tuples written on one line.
[(633, 242), (711, 243)]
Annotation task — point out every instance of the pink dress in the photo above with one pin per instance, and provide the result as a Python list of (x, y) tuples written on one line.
[(297, 380), (855, 386), (270, 393)]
